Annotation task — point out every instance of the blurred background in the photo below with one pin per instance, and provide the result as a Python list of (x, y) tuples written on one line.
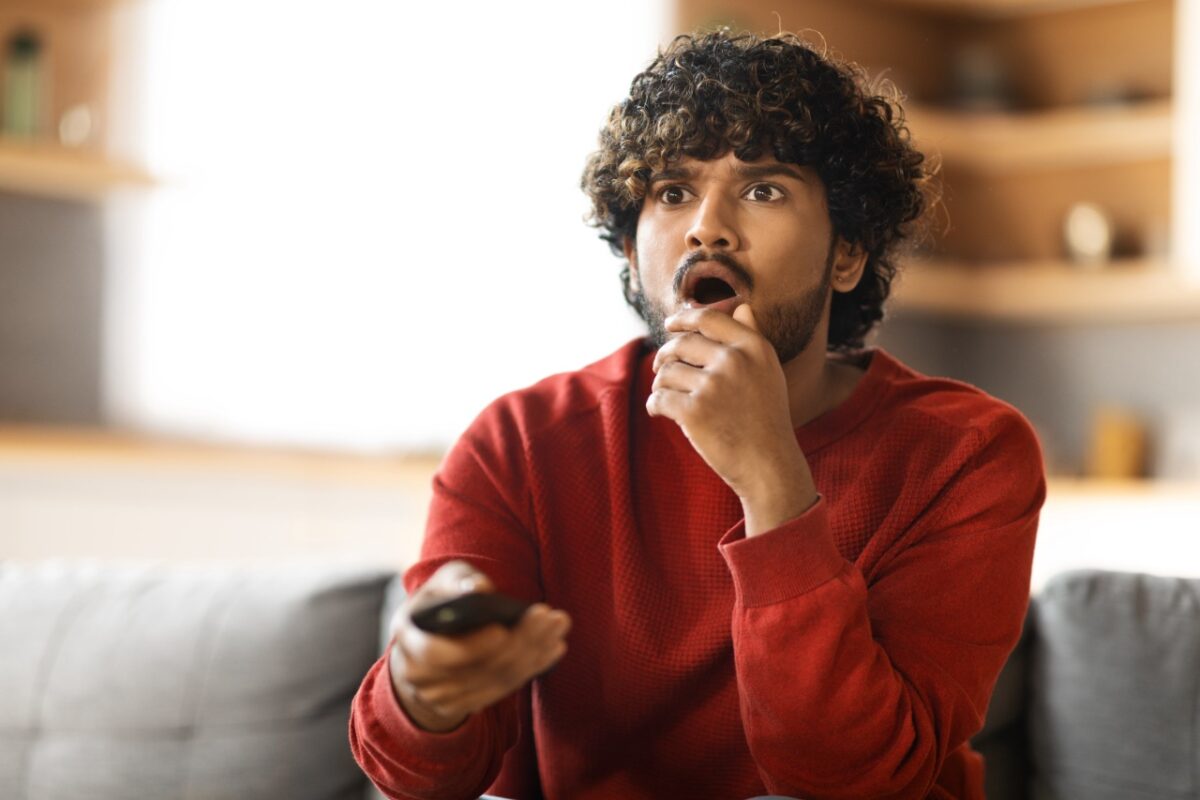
[(261, 262)]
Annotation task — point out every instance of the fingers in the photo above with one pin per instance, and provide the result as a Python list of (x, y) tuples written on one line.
[(670, 403), (440, 679), (536, 644), (712, 324), (689, 348), (450, 580), (729, 333), (429, 656), (745, 315), (679, 376)]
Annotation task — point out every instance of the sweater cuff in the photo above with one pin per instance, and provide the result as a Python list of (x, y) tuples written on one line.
[(396, 726), (783, 562)]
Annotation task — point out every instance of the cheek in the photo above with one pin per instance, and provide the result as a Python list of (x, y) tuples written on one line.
[(655, 256)]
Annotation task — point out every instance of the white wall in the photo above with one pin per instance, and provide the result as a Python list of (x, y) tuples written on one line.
[(371, 224)]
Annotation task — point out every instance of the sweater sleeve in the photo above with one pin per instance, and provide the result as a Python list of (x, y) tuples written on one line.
[(850, 690), (479, 513)]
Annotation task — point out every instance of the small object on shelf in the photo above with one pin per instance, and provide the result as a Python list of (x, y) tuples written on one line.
[(22, 85), (75, 126), (1088, 235), (1118, 444), (980, 79)]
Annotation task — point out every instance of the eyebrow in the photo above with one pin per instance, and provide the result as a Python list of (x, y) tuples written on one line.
[(751, 171), (744, 171)]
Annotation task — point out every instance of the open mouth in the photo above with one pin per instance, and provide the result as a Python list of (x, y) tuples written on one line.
[(711, 290), (713, 284)]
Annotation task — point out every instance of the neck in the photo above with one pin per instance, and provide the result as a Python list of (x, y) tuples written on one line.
[(816, 383)]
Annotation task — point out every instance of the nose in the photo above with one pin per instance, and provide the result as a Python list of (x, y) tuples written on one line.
[(713, 226)]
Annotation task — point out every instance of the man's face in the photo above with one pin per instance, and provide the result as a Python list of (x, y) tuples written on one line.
[(722, 232)]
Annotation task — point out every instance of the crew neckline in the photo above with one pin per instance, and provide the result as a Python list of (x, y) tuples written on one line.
[(854, 410)]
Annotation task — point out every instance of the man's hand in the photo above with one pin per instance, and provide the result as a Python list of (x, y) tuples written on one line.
[(722, 382), (440, 681)]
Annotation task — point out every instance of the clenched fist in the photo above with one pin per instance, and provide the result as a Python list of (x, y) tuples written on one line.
[(721, 381), (440, 680)]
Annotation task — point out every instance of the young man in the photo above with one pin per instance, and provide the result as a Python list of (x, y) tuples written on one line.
[(783, 563)]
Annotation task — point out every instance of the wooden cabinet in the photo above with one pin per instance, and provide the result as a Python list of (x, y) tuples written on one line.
[(77, 149), (1032, 106)]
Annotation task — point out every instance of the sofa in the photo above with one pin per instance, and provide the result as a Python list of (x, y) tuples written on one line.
[(148, 682), (1100, 700)]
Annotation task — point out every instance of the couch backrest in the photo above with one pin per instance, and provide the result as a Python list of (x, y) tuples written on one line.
[(1114, 688), (1101, 698), (143, 682)]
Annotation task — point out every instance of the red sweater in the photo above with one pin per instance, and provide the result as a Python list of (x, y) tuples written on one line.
[(849, 653)]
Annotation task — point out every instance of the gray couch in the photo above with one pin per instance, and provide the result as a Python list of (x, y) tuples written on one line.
[(1101, 698), (145, 683)]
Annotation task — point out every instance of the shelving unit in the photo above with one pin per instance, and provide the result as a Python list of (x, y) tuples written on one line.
[(68, 146), (1049, 293), (48, 170), (79, 45), (1086, 115), (999, 8), (1056, 139)]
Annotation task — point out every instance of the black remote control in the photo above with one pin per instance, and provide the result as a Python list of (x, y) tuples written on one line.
[(469, 612)]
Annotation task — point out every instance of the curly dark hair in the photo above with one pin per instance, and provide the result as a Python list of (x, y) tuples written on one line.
[(710, 93)]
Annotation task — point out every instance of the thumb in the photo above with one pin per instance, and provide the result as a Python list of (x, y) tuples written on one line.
[(744, 315)]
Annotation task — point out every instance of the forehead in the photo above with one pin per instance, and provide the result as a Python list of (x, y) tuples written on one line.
[(729, 166)]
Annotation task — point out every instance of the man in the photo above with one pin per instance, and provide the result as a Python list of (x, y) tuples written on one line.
[(783, 563)]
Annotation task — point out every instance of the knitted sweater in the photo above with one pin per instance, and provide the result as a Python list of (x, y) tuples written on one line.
[(849, 653)]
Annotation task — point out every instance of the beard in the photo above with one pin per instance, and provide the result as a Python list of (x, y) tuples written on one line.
[(789, 326)]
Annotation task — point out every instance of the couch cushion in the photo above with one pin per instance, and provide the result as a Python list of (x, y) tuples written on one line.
[(123, 682), (1113, 684)]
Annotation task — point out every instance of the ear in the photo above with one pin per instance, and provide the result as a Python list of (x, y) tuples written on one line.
[(849, 261), (630, 248)]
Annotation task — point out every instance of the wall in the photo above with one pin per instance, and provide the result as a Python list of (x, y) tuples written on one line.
[(93, 496), (51, 294), (1057, 375)]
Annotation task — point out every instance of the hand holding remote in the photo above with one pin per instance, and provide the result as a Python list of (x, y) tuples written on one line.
[(441, 680)]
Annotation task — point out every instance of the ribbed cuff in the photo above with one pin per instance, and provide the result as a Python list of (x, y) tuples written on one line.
[(783, 562)]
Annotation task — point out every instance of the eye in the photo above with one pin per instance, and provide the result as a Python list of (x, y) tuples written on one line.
[(764, 193), (673, 195)]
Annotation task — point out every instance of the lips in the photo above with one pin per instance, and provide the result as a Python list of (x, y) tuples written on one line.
[(712, 285)]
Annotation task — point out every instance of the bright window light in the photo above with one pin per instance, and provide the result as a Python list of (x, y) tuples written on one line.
[(371, 224)]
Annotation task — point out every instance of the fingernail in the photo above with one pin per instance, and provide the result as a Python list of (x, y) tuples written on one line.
[(468, 584)]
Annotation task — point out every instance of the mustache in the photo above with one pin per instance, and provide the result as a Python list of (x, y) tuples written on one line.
[(723, 259)]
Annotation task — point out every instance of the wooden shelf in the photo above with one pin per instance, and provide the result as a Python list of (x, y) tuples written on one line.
[(110, 448), (1049, 292), (51, 171), (999, 8), (1072, 487), (991, 142)]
